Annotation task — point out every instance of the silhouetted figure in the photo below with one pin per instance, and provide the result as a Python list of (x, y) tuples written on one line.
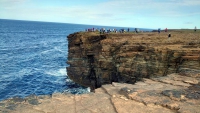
[(169, 36), (100, 31), (136, 30), (123, 30), (128, 29), (165, 29), (158, 30), (195, 29), (104, 30)]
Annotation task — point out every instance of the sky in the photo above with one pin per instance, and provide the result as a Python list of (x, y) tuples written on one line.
[(153, 14)]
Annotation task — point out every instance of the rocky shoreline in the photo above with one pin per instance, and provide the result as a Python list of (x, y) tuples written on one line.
[(129, 72), (169, 94)]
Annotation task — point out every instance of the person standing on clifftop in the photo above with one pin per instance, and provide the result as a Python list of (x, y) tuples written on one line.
[(165, 29), (136, 30), (169, 36), (195, 29), (158, 30)]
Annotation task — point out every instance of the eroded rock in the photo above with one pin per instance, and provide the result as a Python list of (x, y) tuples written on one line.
[(96, 59)]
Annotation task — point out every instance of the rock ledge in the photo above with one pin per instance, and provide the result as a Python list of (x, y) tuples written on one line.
[(180, 94)]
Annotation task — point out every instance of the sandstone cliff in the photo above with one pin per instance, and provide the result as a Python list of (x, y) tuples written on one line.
[(96, 59)]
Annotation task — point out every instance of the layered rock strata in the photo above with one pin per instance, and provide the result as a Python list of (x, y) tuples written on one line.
[(96, 59), (169, 94)]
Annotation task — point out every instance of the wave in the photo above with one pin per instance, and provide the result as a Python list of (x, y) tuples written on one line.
[(60, 72), (59, 49), (33, 58), (47, 51)]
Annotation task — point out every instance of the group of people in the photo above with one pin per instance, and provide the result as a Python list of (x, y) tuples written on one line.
[(169, 35), (159, 30), (166, 30), (90, 30), (103, 30)]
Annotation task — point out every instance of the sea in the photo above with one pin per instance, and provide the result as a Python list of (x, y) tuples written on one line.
[(33, 58)]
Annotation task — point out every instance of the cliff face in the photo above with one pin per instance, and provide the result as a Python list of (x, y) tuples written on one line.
[(96, 59)]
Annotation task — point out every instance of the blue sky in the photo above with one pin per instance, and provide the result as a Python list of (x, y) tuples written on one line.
[(173, 14)]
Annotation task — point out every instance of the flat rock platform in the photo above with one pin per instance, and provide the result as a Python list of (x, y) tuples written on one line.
[(169, 94)]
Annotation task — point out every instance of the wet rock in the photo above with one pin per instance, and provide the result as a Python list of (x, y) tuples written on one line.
[(125, 91), (17, 99), (193, 95), (193, 92), (33, 101), (2, 104), (4, 111), (11, 106), (174, 94)]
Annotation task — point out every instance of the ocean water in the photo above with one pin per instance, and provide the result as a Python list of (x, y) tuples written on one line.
[(33, 58)]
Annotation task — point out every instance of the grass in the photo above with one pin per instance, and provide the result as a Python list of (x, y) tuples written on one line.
[(178, 38)]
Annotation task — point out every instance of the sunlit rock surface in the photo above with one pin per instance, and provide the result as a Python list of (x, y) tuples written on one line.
[(96, 59), (167, 72), (173, 93)]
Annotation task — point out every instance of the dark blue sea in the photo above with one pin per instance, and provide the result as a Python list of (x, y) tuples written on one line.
[(33, 58)]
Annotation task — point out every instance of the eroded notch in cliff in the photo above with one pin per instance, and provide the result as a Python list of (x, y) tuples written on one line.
[(90, 59), (93, 77)]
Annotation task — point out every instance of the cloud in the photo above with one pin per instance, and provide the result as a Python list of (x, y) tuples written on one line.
[(109, 12), (11, 1), (153, 7), (189, 2), (111, 9), (11, 4)]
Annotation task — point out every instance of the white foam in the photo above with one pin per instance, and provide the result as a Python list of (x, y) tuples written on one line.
[(24, 71), (88, 89), (58, 49), (69, 80), (63, 71), (52, 50), (46, 51), (60, 72)]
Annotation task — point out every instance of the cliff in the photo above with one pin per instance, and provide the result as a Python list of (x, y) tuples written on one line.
[(96, 59)]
